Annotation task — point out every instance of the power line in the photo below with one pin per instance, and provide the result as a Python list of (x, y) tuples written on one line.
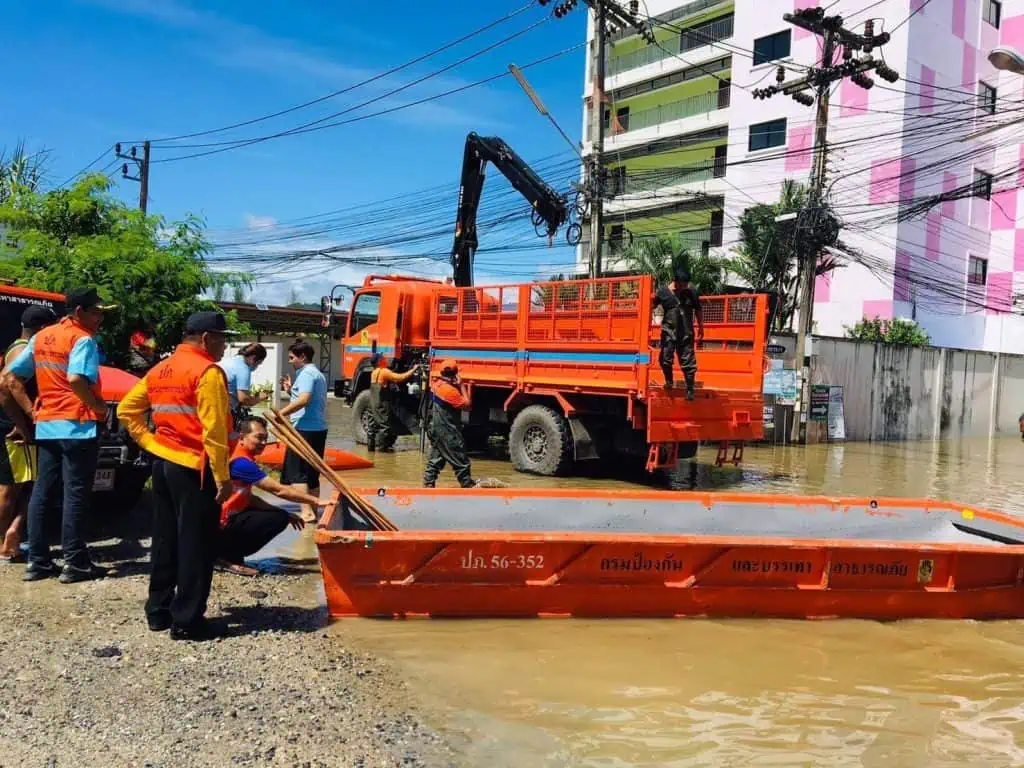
[(354, 86)]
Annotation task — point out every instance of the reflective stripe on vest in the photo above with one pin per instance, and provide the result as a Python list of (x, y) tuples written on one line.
[(172, 386), (52, 354)]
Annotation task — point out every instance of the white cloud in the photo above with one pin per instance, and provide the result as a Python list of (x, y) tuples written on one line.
[(243, 46), (252, 221)]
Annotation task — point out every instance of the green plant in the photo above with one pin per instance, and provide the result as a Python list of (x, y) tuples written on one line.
[(769, 252), (156, 273), (661, 256), (888, 332)]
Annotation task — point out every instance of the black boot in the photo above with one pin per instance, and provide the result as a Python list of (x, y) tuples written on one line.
[(371, 443), (689, 387)]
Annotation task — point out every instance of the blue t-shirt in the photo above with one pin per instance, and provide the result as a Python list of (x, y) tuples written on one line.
[(83, 361), (239, 378), (246, 471), (312, 418)]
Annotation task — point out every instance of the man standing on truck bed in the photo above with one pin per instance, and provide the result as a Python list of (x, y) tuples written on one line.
[(681, 307), (188, 396), (308, 413), (64, 358), (449, 398), (18, 461), (383, 393)]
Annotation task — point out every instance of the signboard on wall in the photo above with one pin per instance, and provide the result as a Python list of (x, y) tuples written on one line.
[(836, 415), (780, 382), (819, 402)]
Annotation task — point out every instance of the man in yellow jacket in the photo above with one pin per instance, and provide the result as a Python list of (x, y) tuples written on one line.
[(188, 397)]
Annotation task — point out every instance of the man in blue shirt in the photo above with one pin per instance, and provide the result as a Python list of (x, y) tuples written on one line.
[(64, 359), (248, 523), (239, 372), (308, 413)]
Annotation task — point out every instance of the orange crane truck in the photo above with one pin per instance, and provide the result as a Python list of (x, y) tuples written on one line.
[(566, 371)]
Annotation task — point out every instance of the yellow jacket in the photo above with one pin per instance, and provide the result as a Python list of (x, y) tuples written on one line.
[(211, 408)]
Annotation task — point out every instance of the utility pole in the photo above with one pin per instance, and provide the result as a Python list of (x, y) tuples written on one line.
[(609, 18), (595, 164), (815, 229), (142, 166)]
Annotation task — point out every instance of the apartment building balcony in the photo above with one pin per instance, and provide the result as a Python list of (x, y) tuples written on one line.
[(688, 40), (689, 115)]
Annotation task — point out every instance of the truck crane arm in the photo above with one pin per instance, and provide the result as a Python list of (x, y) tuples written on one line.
[(547, 204)]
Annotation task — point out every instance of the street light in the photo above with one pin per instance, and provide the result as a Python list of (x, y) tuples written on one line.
[(1007, 59)]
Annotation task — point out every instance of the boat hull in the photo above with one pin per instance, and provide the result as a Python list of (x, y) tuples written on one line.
[(585, 573)]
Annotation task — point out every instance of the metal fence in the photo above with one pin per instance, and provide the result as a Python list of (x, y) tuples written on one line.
[(705, 34)]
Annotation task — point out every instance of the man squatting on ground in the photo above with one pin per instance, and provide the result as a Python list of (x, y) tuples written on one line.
[(248, 523)]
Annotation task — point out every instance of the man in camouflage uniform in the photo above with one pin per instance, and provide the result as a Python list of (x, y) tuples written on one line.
[(681, 307), (384, 392), (444, 427)]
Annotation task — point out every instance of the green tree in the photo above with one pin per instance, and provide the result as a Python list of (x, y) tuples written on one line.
[(768, 255), (888, 332), (20, 170), (81, 235), (661, 256)]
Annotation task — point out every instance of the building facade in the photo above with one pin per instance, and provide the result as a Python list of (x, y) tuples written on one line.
[(924, 172)]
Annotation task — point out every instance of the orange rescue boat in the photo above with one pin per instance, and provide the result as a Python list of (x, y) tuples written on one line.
[(273, 456), (538, 553)]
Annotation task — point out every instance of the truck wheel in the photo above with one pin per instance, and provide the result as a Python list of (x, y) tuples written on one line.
[(361, 416), (540, 442)]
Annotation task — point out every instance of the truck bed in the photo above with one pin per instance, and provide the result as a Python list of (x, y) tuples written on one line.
[(596, 337)]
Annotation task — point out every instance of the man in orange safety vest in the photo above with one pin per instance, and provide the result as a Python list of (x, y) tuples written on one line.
[(187, 395)]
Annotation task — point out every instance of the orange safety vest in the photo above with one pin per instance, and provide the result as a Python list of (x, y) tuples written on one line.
[(241, 496), (52, 354), (172, 386)]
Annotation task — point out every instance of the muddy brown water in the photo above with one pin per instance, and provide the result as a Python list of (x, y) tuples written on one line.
[(612, 694)]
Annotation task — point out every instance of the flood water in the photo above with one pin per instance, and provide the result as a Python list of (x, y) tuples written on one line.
[(700, 692)]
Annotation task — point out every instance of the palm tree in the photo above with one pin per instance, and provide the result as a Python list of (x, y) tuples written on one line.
[(663, 255), (769, 252)]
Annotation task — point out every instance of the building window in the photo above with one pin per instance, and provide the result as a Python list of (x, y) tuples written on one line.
[(982, 185), (977, 271), (717, 225), (993, 12), (622, 118), (724, 94), (772, 47), (721, 160), (986, 97), (767, 135), (618, 181)]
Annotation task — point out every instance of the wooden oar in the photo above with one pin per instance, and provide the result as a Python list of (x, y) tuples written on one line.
[(298, 444), (292, 439)]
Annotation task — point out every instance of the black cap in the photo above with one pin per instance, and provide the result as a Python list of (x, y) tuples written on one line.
[(207, 322), (86, 298), (38, 316)]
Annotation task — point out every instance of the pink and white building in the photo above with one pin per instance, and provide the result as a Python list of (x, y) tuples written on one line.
[(686, 105)]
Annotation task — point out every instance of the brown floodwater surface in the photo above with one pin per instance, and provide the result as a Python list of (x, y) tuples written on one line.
[(721, 693)]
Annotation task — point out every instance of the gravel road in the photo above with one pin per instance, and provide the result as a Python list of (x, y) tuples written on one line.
[(84, 683)]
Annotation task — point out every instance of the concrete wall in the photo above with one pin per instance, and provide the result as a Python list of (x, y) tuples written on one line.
[(905, 393)]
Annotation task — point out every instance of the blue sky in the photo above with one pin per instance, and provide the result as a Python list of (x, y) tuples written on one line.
[(93, 72)]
